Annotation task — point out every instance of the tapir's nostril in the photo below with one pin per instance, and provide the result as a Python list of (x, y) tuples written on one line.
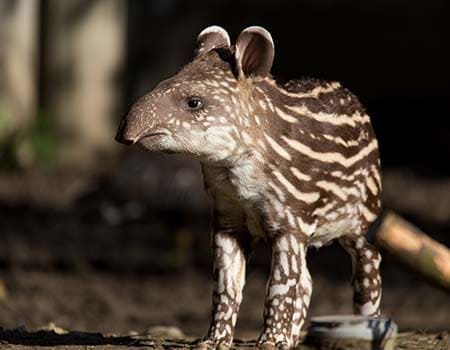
[(121, 135), (120, 138)]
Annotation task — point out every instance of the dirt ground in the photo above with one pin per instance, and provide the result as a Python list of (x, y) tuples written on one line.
[(113, 312), (110, 267), (20, 340)]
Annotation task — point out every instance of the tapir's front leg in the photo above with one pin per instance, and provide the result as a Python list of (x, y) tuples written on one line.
[(230, 249), (288, 294)]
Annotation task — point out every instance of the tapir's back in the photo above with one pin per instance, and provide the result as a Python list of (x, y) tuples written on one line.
[(322, 151)]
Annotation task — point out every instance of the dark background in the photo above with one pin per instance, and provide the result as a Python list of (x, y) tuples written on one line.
[(121, 243), (392, 54)]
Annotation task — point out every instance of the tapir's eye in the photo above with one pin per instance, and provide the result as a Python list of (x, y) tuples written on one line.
[(195, 103)]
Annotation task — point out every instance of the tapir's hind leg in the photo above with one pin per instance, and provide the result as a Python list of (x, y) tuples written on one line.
[(366, 279)]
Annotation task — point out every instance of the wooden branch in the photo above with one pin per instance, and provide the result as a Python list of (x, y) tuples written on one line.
[(3, 291), (414, 249)]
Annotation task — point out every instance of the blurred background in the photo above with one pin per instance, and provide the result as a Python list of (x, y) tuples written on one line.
[(97, 237)]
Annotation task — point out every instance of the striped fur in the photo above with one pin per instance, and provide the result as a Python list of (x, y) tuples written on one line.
[(296, 163)]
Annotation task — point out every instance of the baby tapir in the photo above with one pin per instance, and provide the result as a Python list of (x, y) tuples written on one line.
[(295, 163)]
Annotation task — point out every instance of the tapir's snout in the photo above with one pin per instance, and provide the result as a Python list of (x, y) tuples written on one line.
[(123, 135), (139, 121)]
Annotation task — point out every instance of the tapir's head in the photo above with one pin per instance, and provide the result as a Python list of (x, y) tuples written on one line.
[(206, 109)]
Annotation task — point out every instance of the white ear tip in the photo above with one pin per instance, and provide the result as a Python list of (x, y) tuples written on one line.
[(216, 30), (261, 31), (213, 29)]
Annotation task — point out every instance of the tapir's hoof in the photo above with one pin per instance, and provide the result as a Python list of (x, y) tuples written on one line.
[(266, 346), (272, 346), (212, 345)]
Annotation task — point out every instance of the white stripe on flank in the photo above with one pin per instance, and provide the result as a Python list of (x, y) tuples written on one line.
[(368, 215), (299, 175), (341, 141), (277, 148), (285, 116), (335, 119), (305, 197), (371, 185), (321, 116), (331, 157), (351, 177), (333, 188), (312, 93), (321, 211), (376, 175)]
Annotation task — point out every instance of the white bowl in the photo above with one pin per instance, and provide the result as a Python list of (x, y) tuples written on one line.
[(378, 332)]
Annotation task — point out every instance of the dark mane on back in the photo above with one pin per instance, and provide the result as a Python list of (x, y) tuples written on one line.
[(338, 100), (299, 85)]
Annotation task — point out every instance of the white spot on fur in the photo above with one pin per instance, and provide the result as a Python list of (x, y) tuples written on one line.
[(366, 282), (281, 289), (283, 244), (294, 244), (284, 263), (359, 242), (294, 264), (276, 274), (246, 138)]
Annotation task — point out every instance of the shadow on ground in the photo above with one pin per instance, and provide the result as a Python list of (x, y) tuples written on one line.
[(21, 339), (50, 338)]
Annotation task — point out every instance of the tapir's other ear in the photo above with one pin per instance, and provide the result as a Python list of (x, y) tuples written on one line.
[(254, 52), (210, 38)]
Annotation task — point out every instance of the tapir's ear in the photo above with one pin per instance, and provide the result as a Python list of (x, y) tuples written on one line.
[(210, 38), (254, 52)]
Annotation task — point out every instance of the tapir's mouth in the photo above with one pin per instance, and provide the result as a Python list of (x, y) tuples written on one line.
[(150, 134)]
